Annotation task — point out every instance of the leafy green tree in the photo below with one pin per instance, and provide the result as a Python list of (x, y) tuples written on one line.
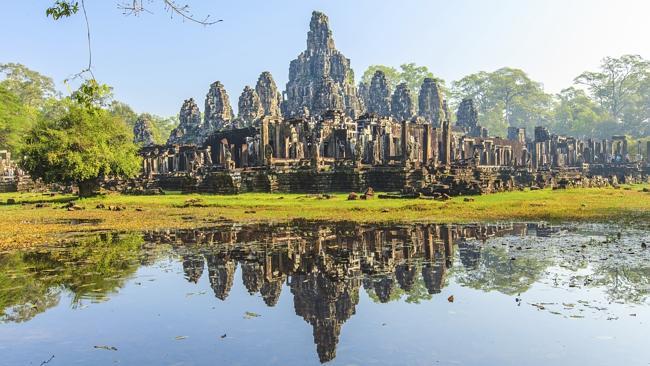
[(505, 97), (30, 87), (123, 111), (163, 127), (578, 115), (392, 75), (81, 146), (410, 73), (15, 119), (616, 83), (414, 75)]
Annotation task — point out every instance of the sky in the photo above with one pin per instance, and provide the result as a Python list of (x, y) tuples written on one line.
[(154, 61)]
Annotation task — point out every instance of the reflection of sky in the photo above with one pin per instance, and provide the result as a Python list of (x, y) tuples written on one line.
[(479, 328)]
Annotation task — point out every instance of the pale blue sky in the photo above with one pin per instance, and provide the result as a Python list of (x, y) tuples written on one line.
[(155, 62)]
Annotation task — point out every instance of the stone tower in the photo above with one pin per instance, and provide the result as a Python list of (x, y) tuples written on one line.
[(320, 78), (467, 116), (218, 112), (364, 95), (431, 102), (189, 130), (269, 95), (250, 107), (379, 95), (402, 107), (143, 131)]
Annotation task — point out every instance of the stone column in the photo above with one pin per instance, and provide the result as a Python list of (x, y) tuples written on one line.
[(405, 138), (264, 140), (446, 141)]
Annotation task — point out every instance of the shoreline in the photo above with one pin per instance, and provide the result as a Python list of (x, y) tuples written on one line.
[(39, 219)]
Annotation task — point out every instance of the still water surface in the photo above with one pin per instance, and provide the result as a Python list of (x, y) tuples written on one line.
[(342, 294)]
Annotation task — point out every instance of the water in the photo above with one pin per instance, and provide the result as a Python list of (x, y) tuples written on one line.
[(344, 294)]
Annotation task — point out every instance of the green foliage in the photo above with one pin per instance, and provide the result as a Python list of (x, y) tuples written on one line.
[(497, 272), (123, 111), (578, 115), (162, 127), (83, 144), (91, 269), (616, 82), (92, 95), (31, 88), (62, 9), (414, 75), (392, 75), (410, 73), (15, 119), (505, 97)]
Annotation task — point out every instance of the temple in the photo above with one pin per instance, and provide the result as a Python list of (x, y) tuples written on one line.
[(325, 134)]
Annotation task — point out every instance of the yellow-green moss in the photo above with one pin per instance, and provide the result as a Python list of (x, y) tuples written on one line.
[(27, 223)]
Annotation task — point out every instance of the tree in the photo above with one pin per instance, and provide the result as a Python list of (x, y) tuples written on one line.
[(414, 75), (392, 75), (617, 82), (163, 127), (15, 119), (81, 146), (576, 114), (31, 88), (123, 111), (505, 97), (410, 73)]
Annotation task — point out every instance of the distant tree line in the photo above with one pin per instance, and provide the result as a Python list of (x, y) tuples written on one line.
[(615, 99)]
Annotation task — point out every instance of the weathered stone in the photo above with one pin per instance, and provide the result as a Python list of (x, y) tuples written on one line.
[(218, 111), (189, 128), (143, 131), (320, 79), (389, 149), (379, 95), (250, 107), (467, 116), (364, 95), (431, 102), (402, 107), (269, 95)]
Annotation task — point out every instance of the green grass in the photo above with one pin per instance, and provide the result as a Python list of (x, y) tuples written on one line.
[(26, 223)]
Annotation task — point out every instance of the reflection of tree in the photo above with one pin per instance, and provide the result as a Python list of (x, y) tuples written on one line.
[(32, 282), (412, 287), (623, 282), (496, 271), (22, 295)]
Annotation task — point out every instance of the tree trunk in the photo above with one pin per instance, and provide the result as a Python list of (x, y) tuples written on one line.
[(88, 188)]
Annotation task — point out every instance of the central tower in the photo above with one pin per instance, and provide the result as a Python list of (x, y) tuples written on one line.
[(320, 79)]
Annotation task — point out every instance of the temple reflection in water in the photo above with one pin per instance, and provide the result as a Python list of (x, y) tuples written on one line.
[(325, 265)]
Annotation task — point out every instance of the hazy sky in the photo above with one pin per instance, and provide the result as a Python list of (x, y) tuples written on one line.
[(155, 62)]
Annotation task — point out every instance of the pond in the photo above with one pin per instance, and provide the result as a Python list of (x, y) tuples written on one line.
[(306, 293)]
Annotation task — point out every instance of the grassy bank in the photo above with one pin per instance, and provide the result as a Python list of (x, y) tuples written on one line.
[(37, 219)]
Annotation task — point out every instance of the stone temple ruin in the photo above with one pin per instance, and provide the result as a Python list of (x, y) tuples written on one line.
[(323, 134)]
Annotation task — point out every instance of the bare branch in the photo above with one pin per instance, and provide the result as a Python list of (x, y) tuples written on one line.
[(88, 69), (136, 7), (47, 361)]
